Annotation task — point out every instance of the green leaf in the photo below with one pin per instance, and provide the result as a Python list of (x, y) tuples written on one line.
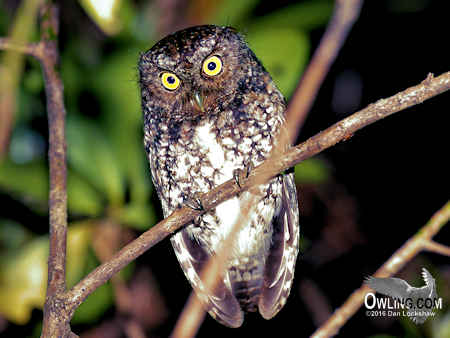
[(82, 198), (441, 326), (232, 12), (122, 113), (106, 17), (304, 15), (283, 52), (28, 106), (312, 171), (94, 306), (26, 145), (33, 81), (23, 279), (96, 303), (72, 76), (139, 216), (23, 272), (5, 21), (137, 171), (116, 82), (12, 235), (78, 241), (28, 181), (90, 153)]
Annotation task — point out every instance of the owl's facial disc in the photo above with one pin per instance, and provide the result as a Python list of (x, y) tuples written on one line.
[(195, 72)]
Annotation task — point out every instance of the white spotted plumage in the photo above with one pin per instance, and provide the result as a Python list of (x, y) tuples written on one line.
[(193, 149)]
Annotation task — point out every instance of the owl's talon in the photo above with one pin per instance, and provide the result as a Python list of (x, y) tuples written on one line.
[(236, 175), (197, 220), (195, 202), (241, 175)]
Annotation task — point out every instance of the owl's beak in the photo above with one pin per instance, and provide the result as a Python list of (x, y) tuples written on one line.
[(198, 101)]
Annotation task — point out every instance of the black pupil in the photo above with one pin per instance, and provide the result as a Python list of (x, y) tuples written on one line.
[(211, 65), (170, 79)]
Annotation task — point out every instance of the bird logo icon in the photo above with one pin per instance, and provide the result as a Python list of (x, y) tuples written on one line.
[(418, 301)]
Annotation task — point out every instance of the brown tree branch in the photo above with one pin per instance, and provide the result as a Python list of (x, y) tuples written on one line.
[(315, 301), (32, 49), (403, 255), (345, 13), (56, 318), (340, 131), (438, 248)]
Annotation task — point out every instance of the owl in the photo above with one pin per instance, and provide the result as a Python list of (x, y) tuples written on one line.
[(210, 111)]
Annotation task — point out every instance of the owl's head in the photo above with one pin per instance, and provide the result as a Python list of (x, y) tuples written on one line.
[(195, 72)]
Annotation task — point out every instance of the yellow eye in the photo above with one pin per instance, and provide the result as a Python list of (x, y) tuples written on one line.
[(212, 65), (170, 81)]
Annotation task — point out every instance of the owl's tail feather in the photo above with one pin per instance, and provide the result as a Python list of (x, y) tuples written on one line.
[(247, 293), (246, 282)]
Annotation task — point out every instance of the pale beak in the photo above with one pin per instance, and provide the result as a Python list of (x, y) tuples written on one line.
[(198, 101)]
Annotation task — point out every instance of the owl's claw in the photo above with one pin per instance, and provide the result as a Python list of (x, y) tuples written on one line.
[(241, 175), (195, 202)]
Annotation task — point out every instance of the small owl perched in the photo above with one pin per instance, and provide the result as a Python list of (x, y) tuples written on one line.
[(210, 109)]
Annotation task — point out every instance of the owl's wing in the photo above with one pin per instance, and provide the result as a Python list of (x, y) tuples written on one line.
[(280, 264), (221, 304)]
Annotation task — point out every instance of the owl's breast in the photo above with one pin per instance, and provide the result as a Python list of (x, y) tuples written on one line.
[(193, 157), (200, 162), (208, 157)]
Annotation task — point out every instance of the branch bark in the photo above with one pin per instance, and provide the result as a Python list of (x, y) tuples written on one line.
[(26, 48), (397, 261), (438, 248), (56, 313), (344, 15), (56, 317)]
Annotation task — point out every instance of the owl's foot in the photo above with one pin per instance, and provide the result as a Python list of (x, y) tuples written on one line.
[(194, 202), (241, 175)]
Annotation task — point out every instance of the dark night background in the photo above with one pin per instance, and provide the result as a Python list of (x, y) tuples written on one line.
[(382, 185)]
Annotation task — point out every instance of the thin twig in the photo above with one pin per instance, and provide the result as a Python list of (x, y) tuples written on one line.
[(193, 313), (26, 48), (345, 14), (315, 301), (57, 161), (403, 255), (340, 131), (133, 329), (438, 248)]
